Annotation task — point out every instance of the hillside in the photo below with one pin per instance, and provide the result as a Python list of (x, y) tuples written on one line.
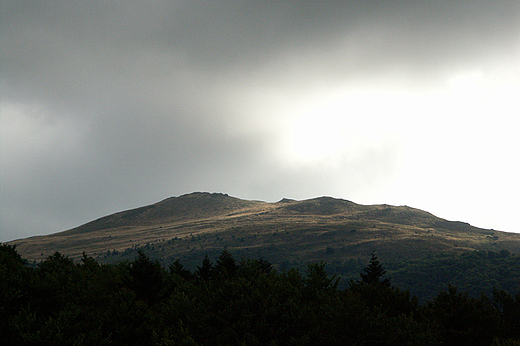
[(287, 232)]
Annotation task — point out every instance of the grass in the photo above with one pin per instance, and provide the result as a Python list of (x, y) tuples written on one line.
[(190, 226)]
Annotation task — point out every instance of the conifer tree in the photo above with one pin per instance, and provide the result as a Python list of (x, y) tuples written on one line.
[(177, 268), (205, 270), (226, 265), (373, 273), (145, 277)]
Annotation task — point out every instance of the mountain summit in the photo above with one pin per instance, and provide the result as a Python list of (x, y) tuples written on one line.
[(324, 228)]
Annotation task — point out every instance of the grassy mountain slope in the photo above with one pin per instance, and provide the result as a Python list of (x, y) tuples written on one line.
[(287, 232)]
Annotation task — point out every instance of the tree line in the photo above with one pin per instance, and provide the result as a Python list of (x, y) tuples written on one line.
[(234, 302)]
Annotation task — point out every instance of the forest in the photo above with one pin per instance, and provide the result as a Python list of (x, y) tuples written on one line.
[(229, 301)]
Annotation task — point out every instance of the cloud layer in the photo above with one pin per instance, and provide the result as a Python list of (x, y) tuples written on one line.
[(112, 105)]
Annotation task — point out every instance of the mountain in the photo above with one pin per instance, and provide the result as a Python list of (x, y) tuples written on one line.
[(287, 232)]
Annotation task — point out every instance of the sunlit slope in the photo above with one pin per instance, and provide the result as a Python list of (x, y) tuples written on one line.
[(288, 231)]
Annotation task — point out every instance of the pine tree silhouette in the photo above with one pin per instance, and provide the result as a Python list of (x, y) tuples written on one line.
[(374, 271)]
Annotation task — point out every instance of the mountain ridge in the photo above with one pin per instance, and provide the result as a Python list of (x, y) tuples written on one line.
[(321, 228)]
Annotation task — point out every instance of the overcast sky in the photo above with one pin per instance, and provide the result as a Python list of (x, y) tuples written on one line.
[(112, 105)]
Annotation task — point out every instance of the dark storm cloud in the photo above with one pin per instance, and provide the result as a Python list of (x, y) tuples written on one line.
[(230, 34), (119, 104)]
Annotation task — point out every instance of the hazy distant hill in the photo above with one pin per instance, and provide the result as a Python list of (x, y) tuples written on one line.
[(286, 232)]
